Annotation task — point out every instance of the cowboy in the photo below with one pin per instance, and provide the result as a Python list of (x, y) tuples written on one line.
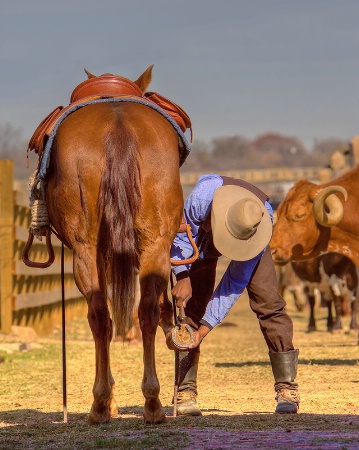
[(233, 218)]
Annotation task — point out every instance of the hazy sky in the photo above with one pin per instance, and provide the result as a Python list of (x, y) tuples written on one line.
[(236, 66)]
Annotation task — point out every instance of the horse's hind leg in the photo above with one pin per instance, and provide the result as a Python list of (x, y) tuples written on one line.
[(91, 283), (154, 275)]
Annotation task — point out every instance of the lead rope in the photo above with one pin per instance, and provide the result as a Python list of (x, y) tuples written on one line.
[(39, 214)]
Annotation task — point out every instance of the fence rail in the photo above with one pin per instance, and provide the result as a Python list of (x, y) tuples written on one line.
[(29, 296), (263, 176)]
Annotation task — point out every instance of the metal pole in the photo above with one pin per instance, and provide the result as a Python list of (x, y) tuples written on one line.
[(175, 390), (64, 387)]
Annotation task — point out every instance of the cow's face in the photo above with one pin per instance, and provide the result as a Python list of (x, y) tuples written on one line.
[(297, 235)]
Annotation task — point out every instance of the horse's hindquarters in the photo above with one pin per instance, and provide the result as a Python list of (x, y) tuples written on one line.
[(115, 197)]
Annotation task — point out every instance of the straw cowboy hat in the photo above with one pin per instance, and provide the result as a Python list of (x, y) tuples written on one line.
[(241, 224)]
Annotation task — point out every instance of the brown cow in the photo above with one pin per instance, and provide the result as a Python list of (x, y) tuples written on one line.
[(315, 219)]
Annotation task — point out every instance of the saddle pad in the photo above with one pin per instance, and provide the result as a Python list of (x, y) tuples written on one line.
[(179, 115), (45, 159)]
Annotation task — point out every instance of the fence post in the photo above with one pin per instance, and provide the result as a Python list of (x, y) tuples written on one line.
[(6, 243)]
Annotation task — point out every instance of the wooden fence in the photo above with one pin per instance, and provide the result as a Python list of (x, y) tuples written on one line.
[(30, 296)]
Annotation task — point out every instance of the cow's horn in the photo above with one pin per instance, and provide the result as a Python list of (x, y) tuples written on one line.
[(89, 74), (327, 208)]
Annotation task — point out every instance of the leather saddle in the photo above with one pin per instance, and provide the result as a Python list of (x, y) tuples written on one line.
[(105, 86)]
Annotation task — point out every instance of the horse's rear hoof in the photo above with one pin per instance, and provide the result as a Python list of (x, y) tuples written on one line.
[(96, 418), (153, 412), (153, 420)]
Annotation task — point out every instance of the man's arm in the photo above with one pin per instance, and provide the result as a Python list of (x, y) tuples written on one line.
[(231, 286)]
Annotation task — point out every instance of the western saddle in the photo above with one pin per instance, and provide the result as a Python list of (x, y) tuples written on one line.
[(101, 87)]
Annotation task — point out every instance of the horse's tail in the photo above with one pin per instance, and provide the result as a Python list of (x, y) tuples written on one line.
[(119, 199)]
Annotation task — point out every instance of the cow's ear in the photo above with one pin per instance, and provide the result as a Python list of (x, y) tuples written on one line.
[(312, 193)]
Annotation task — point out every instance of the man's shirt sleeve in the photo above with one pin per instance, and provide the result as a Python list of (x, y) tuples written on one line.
[(231, 286)]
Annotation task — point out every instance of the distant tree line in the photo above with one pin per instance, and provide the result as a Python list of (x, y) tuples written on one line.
[(222, 153), (267, 150)]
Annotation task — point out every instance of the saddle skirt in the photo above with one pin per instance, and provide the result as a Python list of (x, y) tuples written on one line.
[(102, 87)]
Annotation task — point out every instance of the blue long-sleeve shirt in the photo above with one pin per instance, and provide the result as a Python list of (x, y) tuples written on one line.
[(197, 207)]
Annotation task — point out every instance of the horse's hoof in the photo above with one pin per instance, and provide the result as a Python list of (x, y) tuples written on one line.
[(169, 340), (154, 419), (96, 418), (153, 412)]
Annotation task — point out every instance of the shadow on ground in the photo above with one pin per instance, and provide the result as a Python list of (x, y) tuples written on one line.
[(216, 429)]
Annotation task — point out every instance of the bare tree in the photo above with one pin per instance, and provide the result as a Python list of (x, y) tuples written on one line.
[(13, 147)]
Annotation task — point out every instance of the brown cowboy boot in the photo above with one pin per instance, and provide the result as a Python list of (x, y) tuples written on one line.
[(187, 389), (284, 367)]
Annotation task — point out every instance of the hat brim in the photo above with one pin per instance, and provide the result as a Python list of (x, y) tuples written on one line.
[(228, 245)]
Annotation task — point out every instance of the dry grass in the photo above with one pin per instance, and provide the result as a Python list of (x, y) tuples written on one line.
[(235, 392)]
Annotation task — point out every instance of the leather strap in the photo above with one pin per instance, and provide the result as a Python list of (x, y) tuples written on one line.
[(244, 184)]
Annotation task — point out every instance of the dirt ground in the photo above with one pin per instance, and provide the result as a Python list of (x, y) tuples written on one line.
[(235, 385)]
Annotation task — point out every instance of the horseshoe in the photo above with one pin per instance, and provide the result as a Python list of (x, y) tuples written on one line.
[(183, 333)]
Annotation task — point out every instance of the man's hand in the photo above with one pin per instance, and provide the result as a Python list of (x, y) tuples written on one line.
[(182, 292), (198, 336)]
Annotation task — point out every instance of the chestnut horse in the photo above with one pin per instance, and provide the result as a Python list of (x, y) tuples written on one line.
[(114, 196)]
